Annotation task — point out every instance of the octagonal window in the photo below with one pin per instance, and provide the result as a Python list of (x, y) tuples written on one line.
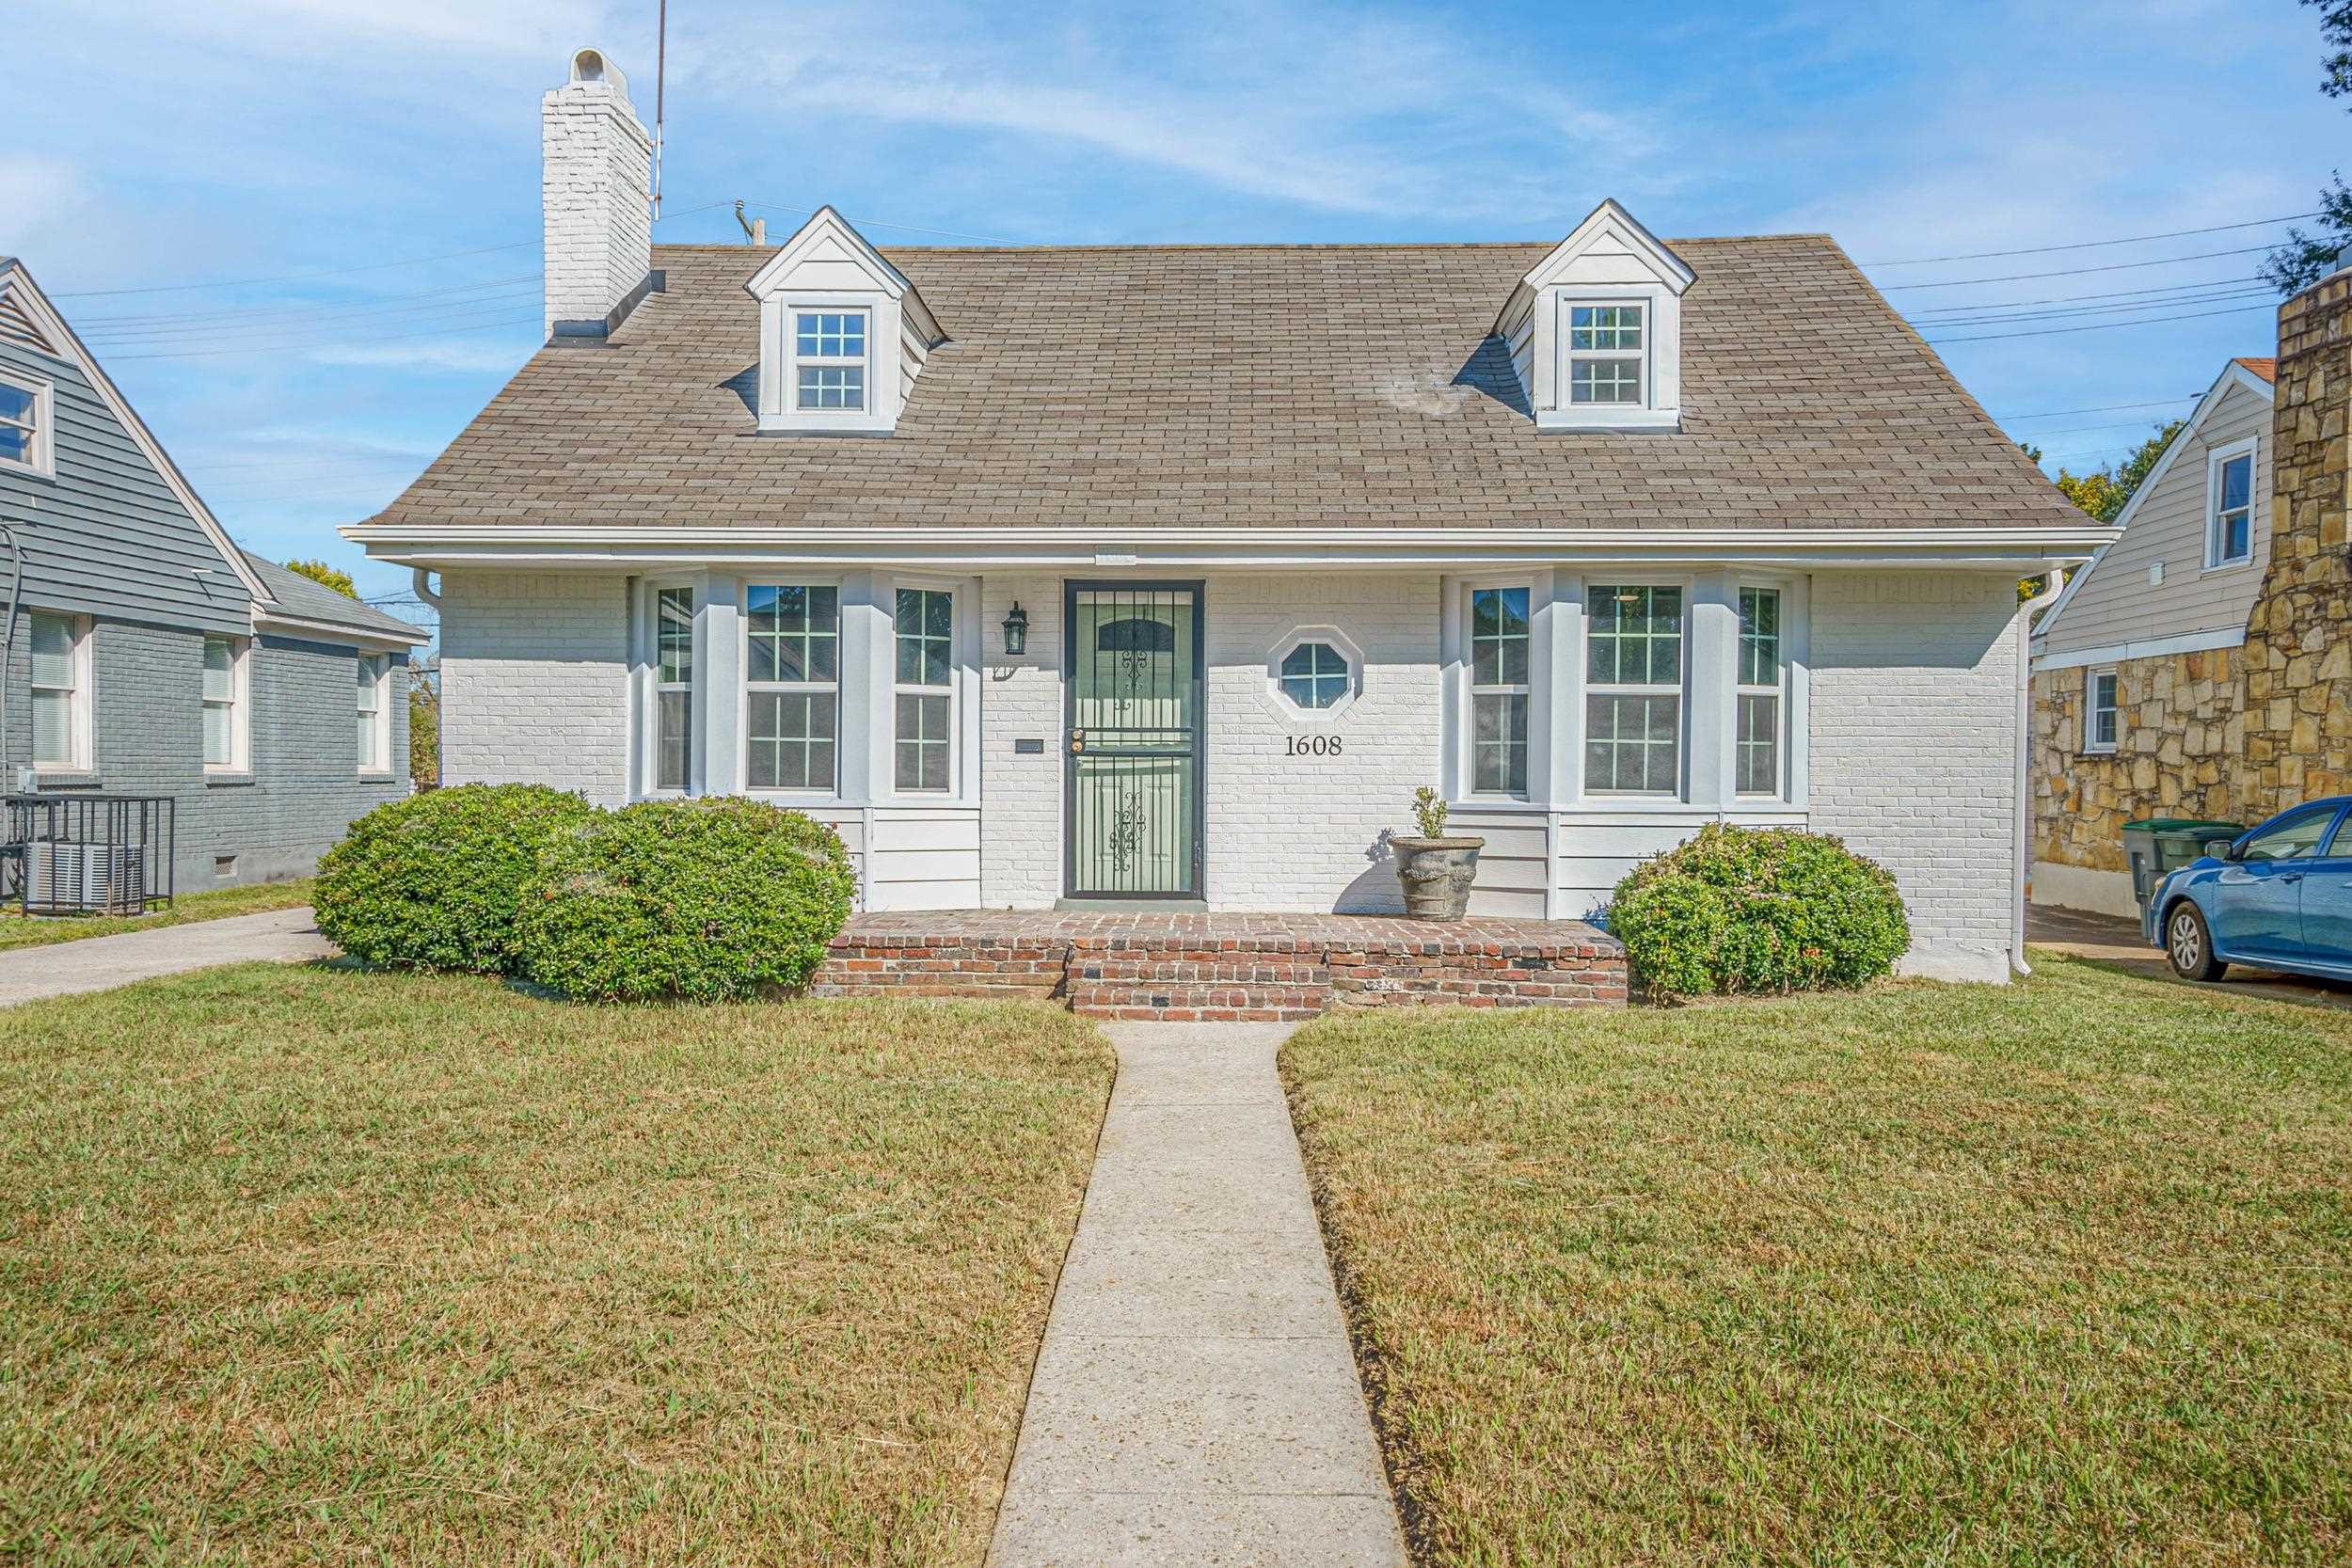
[(1315, 674)]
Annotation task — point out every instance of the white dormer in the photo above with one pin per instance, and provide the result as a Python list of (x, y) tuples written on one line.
[(842, 333), (1595, 329)]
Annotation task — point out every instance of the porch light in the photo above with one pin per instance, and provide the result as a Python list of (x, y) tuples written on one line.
[(1017, 631)]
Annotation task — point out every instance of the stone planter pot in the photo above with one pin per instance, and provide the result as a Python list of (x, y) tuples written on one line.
[(1436, 874)]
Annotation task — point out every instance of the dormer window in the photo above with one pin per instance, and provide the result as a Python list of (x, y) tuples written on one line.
[(1605, 354), (843, 335), (1595, 330)]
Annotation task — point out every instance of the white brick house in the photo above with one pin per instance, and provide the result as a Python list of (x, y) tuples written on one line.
[(1169, 573)]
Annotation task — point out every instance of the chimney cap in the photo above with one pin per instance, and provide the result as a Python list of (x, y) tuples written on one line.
[(593, 68)]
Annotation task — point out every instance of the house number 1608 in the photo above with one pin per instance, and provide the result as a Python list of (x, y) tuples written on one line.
[(1313, 745)]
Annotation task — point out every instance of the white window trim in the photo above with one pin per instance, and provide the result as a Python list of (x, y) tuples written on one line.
[(382, 724), (841, 736), (2093, 745), (1740, 688), (1659, 408), (649, 727), (1279, 698), (240, 707), (1588, 688), (80, 723), (43, 463), (1531, 689), (795, 362), (957, 609), (1570, 355), (2215, 460), (780, 362)]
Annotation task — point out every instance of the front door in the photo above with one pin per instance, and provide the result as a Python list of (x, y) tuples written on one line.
[(1131, 813)]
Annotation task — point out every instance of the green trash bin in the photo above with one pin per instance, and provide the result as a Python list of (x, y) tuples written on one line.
[(2157, 845)]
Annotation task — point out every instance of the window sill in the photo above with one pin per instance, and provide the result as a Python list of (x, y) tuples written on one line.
[(65, 778), (28, 470), (2097, 751), (1645, 421), (2216, 568), (377, 776), (228, 778)]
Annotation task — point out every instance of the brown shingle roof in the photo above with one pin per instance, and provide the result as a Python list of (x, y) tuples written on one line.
[(1309, 386), (2266, 369)]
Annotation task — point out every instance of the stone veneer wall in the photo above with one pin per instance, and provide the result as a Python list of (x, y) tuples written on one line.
[(2237, 733)]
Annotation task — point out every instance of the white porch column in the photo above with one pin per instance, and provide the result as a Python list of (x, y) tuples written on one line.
[(717, 767), (867, 652), (1548, 775), (1714, 688)]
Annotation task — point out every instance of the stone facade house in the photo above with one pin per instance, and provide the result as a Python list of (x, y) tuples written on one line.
[(147, 654), (1163, 576), (2201, 666)]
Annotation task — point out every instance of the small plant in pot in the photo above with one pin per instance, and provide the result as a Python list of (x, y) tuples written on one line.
[(1436, 871)]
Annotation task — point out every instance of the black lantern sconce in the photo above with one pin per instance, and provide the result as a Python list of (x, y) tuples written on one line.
[(1017, 631)]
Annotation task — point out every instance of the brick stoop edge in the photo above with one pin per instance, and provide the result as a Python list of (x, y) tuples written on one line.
[(1196, 968)]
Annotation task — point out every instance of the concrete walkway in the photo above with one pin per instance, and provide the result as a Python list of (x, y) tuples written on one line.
[(100, 963), (1196, 1399)]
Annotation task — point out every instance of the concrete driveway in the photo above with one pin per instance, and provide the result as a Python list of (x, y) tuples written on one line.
[(102, 963)]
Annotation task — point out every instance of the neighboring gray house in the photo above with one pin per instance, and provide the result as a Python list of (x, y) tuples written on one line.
[(149, 655)]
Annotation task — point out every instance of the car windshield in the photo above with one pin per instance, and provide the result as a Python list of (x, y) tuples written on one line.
[(2294, 839)]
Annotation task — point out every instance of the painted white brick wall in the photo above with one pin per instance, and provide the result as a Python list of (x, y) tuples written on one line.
[(595, 178), (535, 680), (1304, 832), (1021, 698), (1914, 750)]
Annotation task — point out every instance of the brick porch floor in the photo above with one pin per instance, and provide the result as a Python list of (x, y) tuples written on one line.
[(1194, 966)]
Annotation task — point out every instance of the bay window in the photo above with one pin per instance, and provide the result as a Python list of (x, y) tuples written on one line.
[(1633, 642), (793, 674), (1760, 698), (674, 686), (924, 690), (1498, 691)]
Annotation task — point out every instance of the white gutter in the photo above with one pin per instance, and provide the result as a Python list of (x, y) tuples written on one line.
[(333, 631), (1081, 541), (2050, 594)]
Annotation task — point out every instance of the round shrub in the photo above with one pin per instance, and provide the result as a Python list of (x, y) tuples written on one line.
[(1758, 910), (704, 900), (431, 881)]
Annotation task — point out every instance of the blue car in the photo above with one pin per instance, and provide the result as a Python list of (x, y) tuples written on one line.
[(2276, 896)]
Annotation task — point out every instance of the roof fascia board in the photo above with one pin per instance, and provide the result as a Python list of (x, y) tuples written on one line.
[(821, 223), (58, 330), (332, 632), (1671, 269)]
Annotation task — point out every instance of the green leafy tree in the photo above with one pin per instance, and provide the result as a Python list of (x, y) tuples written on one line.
[(2307, 258), (325, 576), (2103, 491), (424, 728)]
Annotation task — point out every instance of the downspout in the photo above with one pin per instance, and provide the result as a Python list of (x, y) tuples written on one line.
[(7, 637), (421, 577), (2053, 582)]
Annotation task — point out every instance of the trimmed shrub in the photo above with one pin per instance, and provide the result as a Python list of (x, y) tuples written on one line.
[(704, 900), (1758, 910), (431, 881)]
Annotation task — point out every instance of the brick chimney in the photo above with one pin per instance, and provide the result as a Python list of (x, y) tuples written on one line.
[(595, 186)]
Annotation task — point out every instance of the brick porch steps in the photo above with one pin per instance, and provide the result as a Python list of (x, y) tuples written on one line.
[(1213, 967)]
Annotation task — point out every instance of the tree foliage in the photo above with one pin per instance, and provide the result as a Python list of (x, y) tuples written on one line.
[(325, 576), (425, 729), (2104, 492), (2307, 258)]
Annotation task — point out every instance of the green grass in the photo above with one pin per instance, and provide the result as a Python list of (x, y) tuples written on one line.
[(321, 1265), (2059, 1272), (248, 898)]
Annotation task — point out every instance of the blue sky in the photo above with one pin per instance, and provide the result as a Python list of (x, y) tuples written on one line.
[(163, 144)]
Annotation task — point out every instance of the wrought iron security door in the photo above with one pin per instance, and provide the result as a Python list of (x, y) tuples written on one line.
[(1133, 809)]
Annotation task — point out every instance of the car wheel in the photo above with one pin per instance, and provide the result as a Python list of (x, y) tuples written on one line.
[(2188, 943)]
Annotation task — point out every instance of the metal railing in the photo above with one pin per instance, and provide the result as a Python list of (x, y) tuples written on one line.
[(87, 854)]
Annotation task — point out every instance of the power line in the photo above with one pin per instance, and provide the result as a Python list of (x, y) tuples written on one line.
[(155, 337), (2103, 408), (2101, 326), (88, 325), (2062, 299), (2122, 309), (330, 343), (2088, 244), (878, 223), (292, 463), (2077, 272)]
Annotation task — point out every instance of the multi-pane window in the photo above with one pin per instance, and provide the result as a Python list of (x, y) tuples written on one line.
[(674, 686), (1605, 354), (1499, 687), (60, 691), (829, 360), (23, 441), (1633, 690), (924, 691), (794, 675), (2102, 711), (220, 702), (1314, 674), (1756, 744), (373, 740), (2230, 536)]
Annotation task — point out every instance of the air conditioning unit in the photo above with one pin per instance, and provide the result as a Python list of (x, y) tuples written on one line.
[(109, 877)]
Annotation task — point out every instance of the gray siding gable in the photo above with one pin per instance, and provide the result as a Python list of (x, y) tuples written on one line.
[(105, 535)]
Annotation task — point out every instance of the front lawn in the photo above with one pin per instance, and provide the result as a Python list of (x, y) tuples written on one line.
[(2054, 1273), (40, 930), (304, 1265)]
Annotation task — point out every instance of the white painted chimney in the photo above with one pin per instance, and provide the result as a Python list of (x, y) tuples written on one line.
[(595, 189)]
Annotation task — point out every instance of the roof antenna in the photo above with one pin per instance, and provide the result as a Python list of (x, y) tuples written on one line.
[(661, 64), (754, 230)]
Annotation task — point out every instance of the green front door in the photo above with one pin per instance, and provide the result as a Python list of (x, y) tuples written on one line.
[(1131, 811)]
